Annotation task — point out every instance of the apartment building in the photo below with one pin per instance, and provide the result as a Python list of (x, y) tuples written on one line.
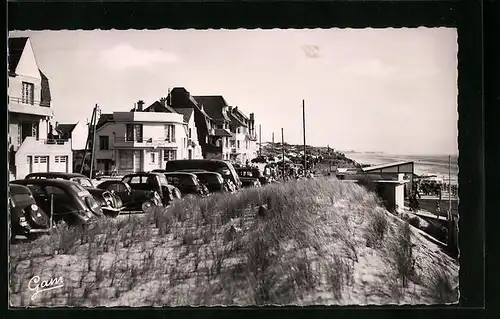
[(144, 139), (211, 140), (243, 140), (31, 149)]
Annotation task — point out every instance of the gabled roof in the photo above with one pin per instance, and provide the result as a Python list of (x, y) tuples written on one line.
[(16, 48), (65, 129), (103, 119), (186, 113), (235, 122), (213, 105), (159, 107), (45, 96)]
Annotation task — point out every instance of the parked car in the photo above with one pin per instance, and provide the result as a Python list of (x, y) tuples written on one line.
[(70, 201), (26, 218), (133, 199), (253, 172), (224, 168), (152, 182), (186, 182), (213, 181), (111, 204), (260, 159), (247, 177)]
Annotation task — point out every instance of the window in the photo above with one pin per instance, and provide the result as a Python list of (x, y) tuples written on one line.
[(227, 141), (134, 132), (40, 159), (28, 93), (189, 133), (103, 143), (219, 126), (130, 132), (53, 190), (170, 132), (170, 155), (61, 159), (138, 132), (238, 144), (117, 188), (153, 157)]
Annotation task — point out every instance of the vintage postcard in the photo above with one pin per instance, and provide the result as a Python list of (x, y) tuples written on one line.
[(233, 167)]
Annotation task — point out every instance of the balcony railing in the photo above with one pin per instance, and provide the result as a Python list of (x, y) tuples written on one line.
[(26, 101), (59, 141), (145, 141)]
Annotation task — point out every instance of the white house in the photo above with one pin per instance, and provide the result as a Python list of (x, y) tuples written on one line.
[(30, 149), (143, 140)]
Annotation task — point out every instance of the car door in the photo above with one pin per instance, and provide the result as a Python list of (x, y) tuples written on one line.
[(122, 191), (41, 197)]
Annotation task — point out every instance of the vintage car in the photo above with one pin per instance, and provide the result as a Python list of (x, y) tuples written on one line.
[(224, 168), (68, 200), (213, 181), (133, 199), (186, 182), (111, 204), (252, 173), (247, 177), (26, 218)]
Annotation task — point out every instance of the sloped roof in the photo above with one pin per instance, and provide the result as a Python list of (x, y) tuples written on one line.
[(235, 122), (186, 113), (390, 165), (16, 48), (222, 132), (66, 129), (213, 105), (45, 96), (159, 107), (103, 119)]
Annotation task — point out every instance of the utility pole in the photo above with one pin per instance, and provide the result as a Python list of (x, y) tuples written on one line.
[(283, 152), (273, 143), (304, 129), (260, 141), (449, 187), (92, 155)]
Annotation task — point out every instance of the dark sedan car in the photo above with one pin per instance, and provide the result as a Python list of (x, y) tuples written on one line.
[(213, 181), (250, 174), (69, 200), (110, 203), (186, 182), (26, 218), (133, 199)]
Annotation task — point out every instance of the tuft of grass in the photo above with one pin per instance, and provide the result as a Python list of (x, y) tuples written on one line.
[(339, 274), (401, 253), (376, 229)]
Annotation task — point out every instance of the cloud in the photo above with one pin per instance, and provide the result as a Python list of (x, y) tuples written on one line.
[(125, 56)]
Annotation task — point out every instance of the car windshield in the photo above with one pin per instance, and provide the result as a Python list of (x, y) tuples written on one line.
[(209, 178), (83, 181), (21, 199)]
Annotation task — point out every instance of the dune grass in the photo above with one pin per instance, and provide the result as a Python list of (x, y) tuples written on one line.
[(304, 242)]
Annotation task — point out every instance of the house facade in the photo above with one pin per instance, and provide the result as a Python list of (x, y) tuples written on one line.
[(243, 141), (29, 104), (210, 139), (142, 140)]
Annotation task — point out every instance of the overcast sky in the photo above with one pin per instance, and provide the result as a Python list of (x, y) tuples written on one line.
[(392, 90)]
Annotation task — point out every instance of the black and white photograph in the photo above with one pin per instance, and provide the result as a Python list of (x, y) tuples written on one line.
[(167, 168)]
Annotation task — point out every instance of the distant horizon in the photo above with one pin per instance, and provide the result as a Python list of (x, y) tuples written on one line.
[(388, 89)]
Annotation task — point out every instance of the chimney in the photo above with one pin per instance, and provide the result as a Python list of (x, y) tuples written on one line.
[(163, 101), (140, 104)]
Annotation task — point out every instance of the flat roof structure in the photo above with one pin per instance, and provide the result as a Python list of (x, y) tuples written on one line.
[(396, 167)]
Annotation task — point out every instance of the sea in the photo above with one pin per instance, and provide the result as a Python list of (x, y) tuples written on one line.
[(424, 164)]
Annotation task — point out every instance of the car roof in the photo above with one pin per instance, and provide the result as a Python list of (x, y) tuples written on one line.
[(18, 189), (201, 161), (58, 182), (143, 174), (180, 173), (57, 174)]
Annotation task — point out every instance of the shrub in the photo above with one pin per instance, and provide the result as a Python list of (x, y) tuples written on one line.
[(414, 221), (376, 229), (402, 254)]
